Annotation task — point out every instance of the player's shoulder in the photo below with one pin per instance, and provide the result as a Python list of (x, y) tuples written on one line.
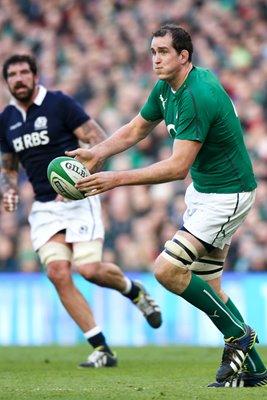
[(202, 72), (202, 85), (161, 88), (59, 100), (8, 117), (61, 97), (7, 111), (58, 94), (202, 78)]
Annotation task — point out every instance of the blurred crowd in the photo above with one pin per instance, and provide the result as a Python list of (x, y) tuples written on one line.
[(98, 52)]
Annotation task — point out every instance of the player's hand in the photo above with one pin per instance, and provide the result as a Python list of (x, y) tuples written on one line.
[(87, 157), (10, 200), (60, 198), (97, 183)]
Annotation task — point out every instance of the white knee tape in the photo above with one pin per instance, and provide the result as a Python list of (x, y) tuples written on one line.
[(54, 251), (87, 252), (180, 252), (208, 268)]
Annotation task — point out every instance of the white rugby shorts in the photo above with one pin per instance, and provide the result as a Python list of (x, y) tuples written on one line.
[(81, 219), (214, 217)]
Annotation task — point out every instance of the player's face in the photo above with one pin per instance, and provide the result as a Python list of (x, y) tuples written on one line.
[(21, 81), (166, 61)]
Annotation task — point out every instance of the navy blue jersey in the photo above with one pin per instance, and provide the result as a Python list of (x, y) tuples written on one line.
[(42, 133)]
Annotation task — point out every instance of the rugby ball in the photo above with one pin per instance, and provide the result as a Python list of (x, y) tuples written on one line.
[(63, 173)]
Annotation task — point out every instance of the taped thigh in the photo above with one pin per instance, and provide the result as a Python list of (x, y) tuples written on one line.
[(208, 268), (180, 252), (87, 252), (54, 251)]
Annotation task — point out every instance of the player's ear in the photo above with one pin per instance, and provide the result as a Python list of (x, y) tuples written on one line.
[(184, 56)]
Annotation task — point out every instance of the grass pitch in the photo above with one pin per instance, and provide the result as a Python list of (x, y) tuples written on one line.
[(143, 373)]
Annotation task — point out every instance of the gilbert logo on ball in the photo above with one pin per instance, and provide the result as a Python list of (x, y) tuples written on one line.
[(63, 173)]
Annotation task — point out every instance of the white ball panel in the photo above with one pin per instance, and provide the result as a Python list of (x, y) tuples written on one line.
[(74, 169), (65, 188)]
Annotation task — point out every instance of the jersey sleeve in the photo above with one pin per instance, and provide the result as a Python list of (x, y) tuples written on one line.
[(194, 117), (4, 145), (151, 111), (74, 115)]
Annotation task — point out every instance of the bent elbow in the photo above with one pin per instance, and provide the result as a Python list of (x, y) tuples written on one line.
[(183, 174), (180, 174)]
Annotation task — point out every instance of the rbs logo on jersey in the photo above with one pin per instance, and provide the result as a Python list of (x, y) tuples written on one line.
[(31, 140)]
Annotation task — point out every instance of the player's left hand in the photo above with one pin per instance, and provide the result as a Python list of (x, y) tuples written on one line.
[(97, 183)]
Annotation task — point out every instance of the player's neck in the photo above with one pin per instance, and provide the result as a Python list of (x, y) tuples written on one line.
[(182, 77)]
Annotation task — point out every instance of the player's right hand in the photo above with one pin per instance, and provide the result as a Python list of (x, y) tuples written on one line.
[(10, 200)]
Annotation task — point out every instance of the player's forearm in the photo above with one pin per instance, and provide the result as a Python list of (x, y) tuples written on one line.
[(98, 134), (9, 172), (9, 190), (161, 172), (9, 180), (90, 133), (122, 139)]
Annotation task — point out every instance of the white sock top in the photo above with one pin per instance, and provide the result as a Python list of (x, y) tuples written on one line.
[(92, 332)]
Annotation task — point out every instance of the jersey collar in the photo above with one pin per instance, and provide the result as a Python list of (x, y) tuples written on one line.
[(40, 95), (38, 101)]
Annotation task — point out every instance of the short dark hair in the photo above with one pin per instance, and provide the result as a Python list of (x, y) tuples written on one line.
[(19, 58), (181, 40)]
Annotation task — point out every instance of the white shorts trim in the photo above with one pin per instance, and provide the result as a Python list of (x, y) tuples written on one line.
[(214, 217), (81, 219)]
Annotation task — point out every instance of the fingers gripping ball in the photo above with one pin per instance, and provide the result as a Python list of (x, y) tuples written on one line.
[(63, 173)]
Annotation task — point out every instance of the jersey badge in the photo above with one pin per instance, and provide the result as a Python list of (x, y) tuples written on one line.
[(40, 123)]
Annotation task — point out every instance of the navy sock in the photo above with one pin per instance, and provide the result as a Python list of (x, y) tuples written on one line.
[(99, 341), (133, 293)]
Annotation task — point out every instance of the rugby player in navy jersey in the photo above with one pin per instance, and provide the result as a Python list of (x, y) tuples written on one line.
[(37, 126)]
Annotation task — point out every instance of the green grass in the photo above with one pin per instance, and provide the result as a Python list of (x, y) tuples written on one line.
[(143, 373)]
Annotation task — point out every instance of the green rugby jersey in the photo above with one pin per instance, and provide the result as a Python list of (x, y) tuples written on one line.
[(201, 110)]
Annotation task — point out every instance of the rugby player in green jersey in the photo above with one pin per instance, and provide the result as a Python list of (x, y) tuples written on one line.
[(207, 142)]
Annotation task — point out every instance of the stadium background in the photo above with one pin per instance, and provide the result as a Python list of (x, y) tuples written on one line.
[(98, 51)]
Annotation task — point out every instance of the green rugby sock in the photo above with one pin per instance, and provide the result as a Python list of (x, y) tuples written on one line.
[(200, 294), (253, 362)]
